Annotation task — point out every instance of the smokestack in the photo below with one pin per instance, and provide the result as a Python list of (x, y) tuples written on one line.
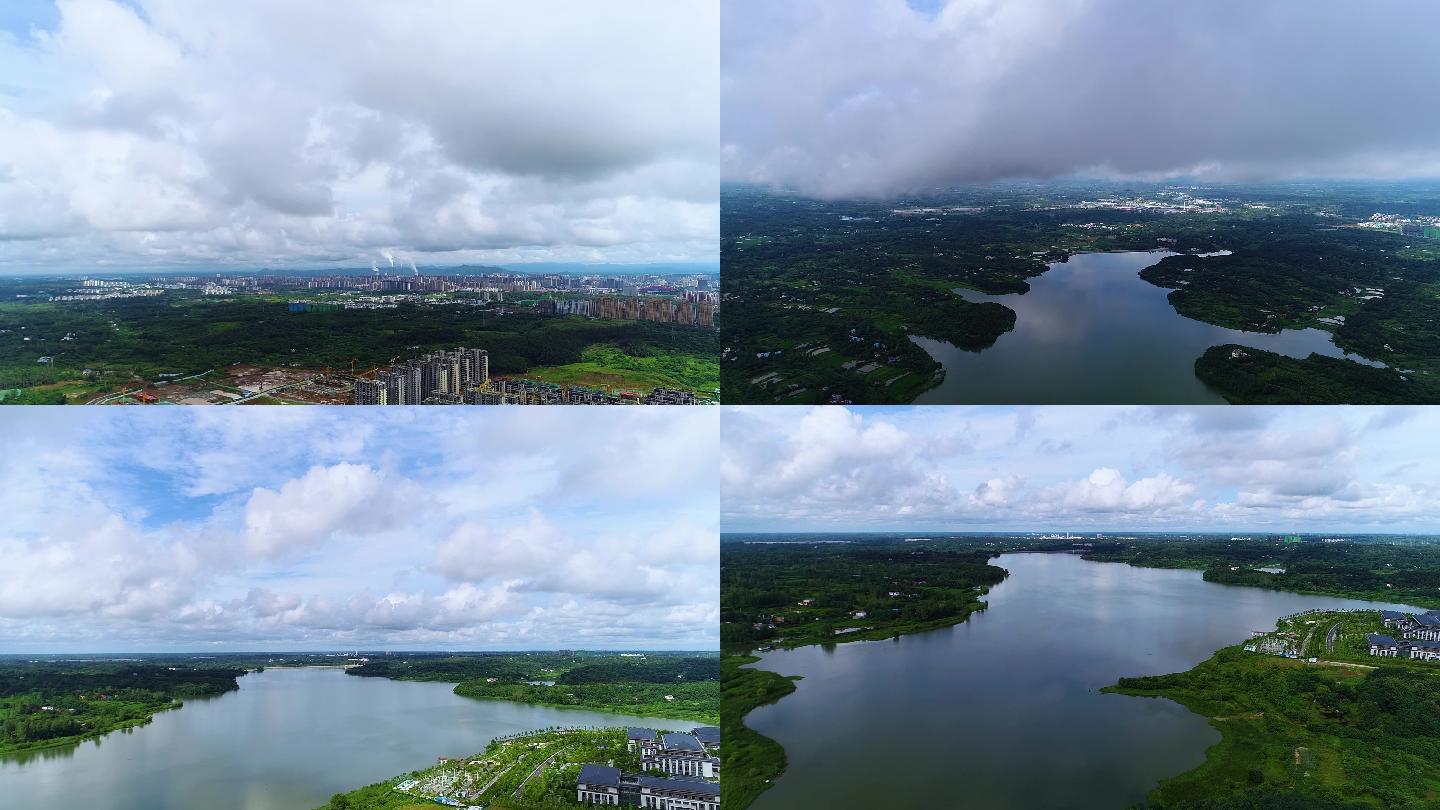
[(413, 268)]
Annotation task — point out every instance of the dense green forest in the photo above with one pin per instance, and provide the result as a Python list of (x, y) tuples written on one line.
[(1387, 570), (679, 685), (818, 291), (119, 340), (44, 704), (1304, 736), (1246, 376), (793, 594)]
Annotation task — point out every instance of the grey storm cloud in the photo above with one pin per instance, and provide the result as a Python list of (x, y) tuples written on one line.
[(875, 97), (172, 131)]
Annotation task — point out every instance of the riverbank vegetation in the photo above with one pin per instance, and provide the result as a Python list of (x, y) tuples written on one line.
[(1388, 569), (749, 759), (44, 704), (822, 297), (1293, 734), (1246, 376), (795, 593), (682, 686)]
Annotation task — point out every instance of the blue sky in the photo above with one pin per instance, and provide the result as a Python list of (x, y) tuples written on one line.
[(324, 528), (188, 133), (1097, 468)]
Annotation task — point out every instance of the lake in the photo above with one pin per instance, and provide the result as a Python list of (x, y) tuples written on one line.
[(288, 740), (1004, 711), (1090, 330)]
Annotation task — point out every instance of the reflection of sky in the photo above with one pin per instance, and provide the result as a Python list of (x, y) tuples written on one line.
[(1090, 329)]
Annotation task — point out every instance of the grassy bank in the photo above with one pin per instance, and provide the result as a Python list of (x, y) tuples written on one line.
[(750, 760), (1300, 735)]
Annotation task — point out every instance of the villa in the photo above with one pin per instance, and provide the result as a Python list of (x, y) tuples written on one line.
[(1417, 649), (598, 784), (1423, 626), (1383, 646), (689, 758)]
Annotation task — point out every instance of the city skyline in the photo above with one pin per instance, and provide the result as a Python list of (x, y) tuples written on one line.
[(1080, 468), (161, 134), (317, 529)]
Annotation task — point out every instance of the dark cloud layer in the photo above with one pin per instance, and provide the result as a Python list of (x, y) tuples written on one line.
[(843, 97)]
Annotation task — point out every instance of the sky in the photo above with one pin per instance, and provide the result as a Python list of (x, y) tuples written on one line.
[(1318, 469), (858, 98), (156, 530), (210, 133)]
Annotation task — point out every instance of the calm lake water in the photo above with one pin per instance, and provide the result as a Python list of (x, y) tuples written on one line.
[(288, 740), (1090, 330), (1005, 711)]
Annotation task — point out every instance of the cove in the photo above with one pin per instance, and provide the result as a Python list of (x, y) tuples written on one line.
[(288, 740), (1004, 711), (1091, 331)]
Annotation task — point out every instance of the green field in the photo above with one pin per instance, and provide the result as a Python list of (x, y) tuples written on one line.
[(611, 367)]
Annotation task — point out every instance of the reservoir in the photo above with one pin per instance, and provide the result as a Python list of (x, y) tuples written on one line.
[(1004, 711), (288, 740), (1091, 331)]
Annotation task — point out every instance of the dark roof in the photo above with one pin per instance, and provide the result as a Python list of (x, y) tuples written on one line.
[(1392, 614), (681, 742), (1377, 640), (602, 775), (1424, 645), (1428, 620), (710, 735), (680, 783), (640, 734)]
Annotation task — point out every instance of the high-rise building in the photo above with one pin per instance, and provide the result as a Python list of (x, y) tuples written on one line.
[(370, 392)]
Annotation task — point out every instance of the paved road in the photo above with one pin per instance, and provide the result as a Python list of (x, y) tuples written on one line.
[(538, 769)]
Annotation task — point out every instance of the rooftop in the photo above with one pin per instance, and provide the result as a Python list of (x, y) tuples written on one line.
[(599, 775), (679, 783), (681, 742)]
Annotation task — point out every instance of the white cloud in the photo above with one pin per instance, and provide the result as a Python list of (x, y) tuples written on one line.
[(142, 529), (350, 498), (167, 132), (964, 468)]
